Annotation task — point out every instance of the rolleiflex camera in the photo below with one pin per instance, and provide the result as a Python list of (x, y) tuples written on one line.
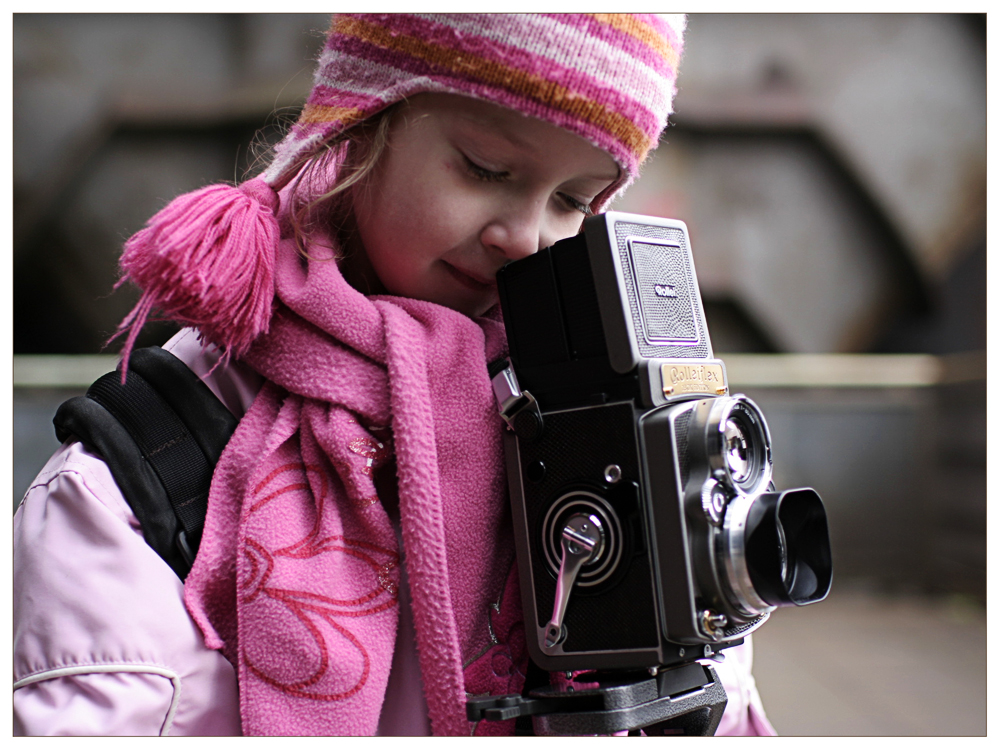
[(648, 531)]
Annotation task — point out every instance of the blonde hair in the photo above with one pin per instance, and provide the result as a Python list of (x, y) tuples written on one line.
[(318, 203)]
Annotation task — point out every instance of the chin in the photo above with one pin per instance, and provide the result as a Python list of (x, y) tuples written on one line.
[(472, 309), (467, 310), (478, 311)]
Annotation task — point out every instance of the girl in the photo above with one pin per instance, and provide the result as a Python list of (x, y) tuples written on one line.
[(356, 574)]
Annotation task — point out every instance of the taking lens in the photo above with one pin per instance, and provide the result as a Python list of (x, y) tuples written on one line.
[(787, 548)]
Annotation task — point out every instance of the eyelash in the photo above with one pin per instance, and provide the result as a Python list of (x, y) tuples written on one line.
[(481, 173), (576, 205), (487, 175)]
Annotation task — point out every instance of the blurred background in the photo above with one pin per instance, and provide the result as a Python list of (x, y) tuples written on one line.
[(832, 173)]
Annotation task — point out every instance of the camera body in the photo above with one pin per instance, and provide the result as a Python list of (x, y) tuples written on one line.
[(648, 532)]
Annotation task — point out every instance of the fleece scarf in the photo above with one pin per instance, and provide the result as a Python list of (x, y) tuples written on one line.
[(296, 580)]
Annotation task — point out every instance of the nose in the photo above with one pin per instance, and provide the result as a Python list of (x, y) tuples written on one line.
[(517, 232)]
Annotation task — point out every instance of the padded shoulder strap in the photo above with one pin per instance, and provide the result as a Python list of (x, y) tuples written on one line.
[(161, 435)]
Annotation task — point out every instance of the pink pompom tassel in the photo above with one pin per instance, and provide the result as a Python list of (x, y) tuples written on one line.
[(206, 260)]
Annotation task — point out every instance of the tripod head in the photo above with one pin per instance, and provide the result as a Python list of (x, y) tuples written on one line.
[(687, 699)]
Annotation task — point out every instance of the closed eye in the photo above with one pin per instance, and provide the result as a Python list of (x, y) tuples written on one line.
[(576, 205), (482, 173)]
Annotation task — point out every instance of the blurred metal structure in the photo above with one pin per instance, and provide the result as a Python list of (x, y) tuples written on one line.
[(831, 169), (114, 115)]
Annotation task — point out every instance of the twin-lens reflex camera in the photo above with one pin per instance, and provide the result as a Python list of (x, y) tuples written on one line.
[(649, 535)]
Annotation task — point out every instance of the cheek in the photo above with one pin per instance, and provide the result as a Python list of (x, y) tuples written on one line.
[(423, 226), (384, 217), (401, 239), (412, 216)]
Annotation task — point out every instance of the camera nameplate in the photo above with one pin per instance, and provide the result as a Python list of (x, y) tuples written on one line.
[(681, 377)]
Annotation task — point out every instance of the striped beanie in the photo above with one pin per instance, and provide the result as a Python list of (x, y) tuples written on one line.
[(608, 77), (207, 259)]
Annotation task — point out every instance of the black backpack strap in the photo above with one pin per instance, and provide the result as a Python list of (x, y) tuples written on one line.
[(161, 435)]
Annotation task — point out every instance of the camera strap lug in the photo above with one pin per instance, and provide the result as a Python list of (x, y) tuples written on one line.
[(518, 408)]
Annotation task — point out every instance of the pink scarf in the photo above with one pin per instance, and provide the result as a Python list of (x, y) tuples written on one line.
[(296, 578)]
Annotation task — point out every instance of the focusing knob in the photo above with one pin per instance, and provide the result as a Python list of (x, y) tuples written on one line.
[(713, 502)]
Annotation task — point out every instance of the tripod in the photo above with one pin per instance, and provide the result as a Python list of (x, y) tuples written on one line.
[(687, 699)]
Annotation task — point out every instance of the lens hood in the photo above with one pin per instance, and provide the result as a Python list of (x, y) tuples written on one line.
[(787, 547)]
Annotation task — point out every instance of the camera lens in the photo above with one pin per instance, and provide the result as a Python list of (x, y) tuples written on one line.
[(775, 549), (736, 450), (787, 548), (731, 434)]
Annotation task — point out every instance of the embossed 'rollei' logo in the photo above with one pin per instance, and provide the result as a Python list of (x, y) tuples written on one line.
[(664, 290)]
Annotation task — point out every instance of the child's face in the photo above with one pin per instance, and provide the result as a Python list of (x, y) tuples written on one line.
[(462, 188)]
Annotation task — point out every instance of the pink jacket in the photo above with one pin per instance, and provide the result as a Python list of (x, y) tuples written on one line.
[(103, 644)]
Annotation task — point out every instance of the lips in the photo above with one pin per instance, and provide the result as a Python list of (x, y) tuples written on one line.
[(469, 280)]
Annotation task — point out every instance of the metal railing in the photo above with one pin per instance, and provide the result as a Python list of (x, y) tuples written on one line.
[(744, 370)]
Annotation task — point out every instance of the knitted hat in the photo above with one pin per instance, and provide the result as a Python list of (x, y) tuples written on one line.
[(607, 77), (207, 259)]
